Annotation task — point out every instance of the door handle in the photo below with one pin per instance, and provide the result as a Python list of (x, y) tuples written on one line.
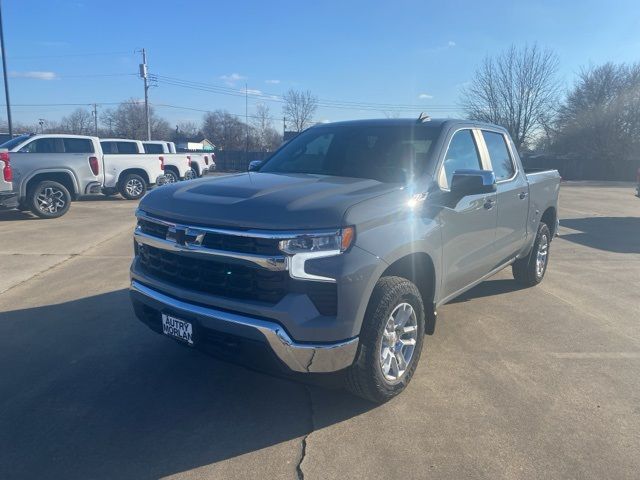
[(522, 195), (489, 203)]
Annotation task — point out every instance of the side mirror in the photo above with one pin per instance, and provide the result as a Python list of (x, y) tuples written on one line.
[(254, 165), (472, 182)]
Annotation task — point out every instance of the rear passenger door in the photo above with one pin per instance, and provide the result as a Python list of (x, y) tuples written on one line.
[(512, 195), (468, 225)]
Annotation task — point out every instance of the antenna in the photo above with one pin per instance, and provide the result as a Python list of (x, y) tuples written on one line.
[(423, 117)]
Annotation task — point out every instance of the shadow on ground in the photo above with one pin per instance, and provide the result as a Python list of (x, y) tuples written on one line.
[(612, 234), (86, 391), (489, 288)]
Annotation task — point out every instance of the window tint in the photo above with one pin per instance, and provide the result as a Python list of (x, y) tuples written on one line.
[(42, 145), (461, 154), (14, 142), (108, 147), (78, 145), (152, 148), (384, 153), (127, 147), (499, 154)]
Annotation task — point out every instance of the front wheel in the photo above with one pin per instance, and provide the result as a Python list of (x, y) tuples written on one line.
[(390, 341), (132, 187), (530, 270), (49, 199)]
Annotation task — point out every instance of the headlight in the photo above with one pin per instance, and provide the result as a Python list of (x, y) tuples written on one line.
[(337, 242), (307, 246)]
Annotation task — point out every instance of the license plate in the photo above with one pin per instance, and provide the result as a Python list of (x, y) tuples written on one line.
[(174, 327)]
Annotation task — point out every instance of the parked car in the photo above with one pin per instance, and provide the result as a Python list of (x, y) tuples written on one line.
[(336, 252), (50, 170), (8, 198), (176, 166), (201, 163)]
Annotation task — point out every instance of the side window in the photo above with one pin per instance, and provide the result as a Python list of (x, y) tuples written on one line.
[(152, 148), (127, 147), (78, 145), (42, 145), (461, 154), (108, 147), (501, 161)]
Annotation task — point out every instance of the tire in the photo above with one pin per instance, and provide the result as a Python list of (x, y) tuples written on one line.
[(171, 176), (530, 270), (368, 377), (132, 186), (49, 199), (190, 175)]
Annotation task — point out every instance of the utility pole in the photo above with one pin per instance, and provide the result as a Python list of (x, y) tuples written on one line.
[(95, 118), (246, 119), (144, 75), (4, 73)]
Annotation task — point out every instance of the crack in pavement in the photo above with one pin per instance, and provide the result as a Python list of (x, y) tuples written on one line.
[(303, 446)]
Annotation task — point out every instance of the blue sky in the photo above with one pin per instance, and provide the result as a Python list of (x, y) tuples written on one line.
[(393, 52)]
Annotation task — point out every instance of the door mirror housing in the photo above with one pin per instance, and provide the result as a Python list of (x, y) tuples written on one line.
[(472, 182), (254, 165)]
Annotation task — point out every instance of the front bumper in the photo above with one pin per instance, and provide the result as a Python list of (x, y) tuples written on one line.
[(8, 200), (149, 304)]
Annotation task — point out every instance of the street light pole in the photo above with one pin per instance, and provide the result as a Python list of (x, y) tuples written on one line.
[(4, 73)]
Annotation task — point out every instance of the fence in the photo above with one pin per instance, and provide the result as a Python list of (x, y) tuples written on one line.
[(237, 161)]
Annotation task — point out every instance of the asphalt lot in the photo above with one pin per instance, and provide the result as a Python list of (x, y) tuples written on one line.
[(515, 383)]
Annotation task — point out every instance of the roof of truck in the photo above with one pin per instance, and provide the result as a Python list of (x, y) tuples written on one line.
[(435, 122)]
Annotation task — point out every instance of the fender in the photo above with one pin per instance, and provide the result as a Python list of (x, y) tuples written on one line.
[(24, 181)]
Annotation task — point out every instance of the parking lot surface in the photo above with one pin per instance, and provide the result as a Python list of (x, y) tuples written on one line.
[(515, 383)]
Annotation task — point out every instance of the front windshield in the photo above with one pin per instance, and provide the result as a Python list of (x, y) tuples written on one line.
[(387, 153), (14, 142)]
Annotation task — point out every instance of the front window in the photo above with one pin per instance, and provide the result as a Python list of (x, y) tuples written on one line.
[(387, 153)]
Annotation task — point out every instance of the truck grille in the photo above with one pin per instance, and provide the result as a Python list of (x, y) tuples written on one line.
[(220, 241), (231, 280)]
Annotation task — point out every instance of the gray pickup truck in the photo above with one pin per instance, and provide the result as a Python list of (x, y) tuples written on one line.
[(334, 253)]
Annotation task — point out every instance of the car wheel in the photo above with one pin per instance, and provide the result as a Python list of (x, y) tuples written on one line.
[(132, 187), (390, 343), (171, 176), (49, 199), (530, 270), (190, 174)]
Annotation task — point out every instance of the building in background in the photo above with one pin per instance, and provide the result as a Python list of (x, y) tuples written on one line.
[(202, 145)]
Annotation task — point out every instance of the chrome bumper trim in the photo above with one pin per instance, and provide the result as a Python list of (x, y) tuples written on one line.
[(299, 357)]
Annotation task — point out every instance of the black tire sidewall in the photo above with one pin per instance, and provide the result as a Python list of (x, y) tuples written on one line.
[(171, 173), (543, 229), (32, 201)]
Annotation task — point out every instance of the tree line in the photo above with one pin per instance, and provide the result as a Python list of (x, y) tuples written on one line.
[(593, 126), (225, 130)]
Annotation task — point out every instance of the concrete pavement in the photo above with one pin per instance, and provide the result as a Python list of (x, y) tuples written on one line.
[(515, 383)]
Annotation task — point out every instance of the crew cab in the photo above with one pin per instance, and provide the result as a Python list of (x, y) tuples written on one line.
[(176, 166), (50, 170), (8, 198), (335, 253)]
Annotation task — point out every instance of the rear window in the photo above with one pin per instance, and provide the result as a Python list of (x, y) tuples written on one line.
[(501, 161), (152, 148), (78, 145), (127, 147)]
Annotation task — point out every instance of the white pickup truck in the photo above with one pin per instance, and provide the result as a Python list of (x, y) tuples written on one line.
[(201, 163), (177, 166), (50, 170)]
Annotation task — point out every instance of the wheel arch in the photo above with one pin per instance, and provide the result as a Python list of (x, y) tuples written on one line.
[(63, 177), (549, 217), (137, 171)]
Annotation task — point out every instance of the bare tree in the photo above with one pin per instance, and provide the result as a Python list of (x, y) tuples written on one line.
[(515, 89), (224, 130), (78, 122), (128, 121), (186, 131), (264, 137), (299, 108)]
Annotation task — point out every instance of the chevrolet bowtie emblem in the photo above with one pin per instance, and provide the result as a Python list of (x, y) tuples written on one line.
[(185, 236)]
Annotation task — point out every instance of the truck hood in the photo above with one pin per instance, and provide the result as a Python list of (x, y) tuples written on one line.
[(263, 200)]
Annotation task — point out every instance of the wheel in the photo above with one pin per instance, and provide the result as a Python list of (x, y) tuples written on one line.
[(49, 199), (171, 176), (132, 186), (391, 341), (190, 174), (530, 270)]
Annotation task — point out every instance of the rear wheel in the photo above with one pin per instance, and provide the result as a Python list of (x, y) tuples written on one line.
[(391, 341), (171, 176), (190, 174), (49, 199), (530, 270), (132, 186)]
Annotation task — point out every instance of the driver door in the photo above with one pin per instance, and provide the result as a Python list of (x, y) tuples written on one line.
[(469, 224)]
